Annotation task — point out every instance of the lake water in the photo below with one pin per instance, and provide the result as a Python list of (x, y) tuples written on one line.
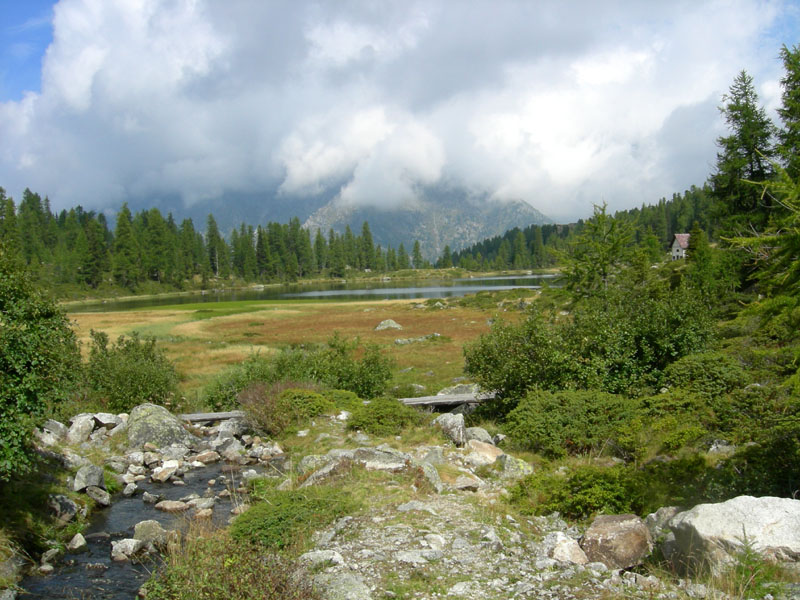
[(335, 290)]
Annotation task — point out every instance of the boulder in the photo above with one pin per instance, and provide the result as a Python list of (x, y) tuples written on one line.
[(453, 427), (431, 475), (617, 541), (232, 428), (381, 459), (59, 430), (208, 457), (467, 484), (82, 426), (342, 586), (165, 471), (460, 388), (77, 544), (388, 324), (107, 420), (564, 549), (513, 467), (150, 532), (62, 508), (125, 549), (153, 424), (481, 453), (89, 475), (479, 434), (99, 495), (172, 506), (712, 534)]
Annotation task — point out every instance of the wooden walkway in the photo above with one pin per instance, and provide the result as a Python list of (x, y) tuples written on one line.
[(214, 416), (447, 399), (443, 400)]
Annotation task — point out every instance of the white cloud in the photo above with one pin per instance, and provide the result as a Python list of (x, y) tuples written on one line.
[(559, 104)]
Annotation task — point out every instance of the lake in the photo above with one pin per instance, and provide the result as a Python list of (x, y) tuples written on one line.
[(334, 290)]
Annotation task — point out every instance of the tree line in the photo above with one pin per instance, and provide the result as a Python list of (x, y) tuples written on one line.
[(79, 247)]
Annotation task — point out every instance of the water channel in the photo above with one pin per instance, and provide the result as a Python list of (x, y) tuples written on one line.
[(335, 290)]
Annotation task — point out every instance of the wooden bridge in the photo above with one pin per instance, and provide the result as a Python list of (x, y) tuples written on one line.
[(427, 401)]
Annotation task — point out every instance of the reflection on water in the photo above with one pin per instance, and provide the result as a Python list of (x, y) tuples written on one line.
[(374, 290)]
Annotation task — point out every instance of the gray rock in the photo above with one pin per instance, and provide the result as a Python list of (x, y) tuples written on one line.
[(87, 476), (435, 455), (151, 532), (123, 550), (513, 467), (388, 324), (342, 586), (77, 544), (381, 459), (232, 428), (165, 471), (51, 556), (82, 426), (431, 475), (481, 453), (130, 490), (416, 505), (617, 541), (149, 498), (311, 463), (208, 457), (564, 549), (453, 427), (232, 451), (153, 424), (467, 484), (479, 434), (321, 557), (172, 506), (657, 522), (411, 557), (99, 495), (62, 508), (59, 430), (174, 452), (712, 534), (107, 420)]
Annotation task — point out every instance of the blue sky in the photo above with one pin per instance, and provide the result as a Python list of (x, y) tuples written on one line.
[(561, 104), (25, 33)]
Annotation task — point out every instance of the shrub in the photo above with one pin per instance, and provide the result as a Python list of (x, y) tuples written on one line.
[(383, 417), (554, 423), (129, 372), (39, 360), (273, 408), (216, 566), (580, 494), (709, 374), (285, 519), (339, 364), (343, 399), (221, 393)]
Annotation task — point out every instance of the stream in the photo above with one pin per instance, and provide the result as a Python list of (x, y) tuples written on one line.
[(92, 574)]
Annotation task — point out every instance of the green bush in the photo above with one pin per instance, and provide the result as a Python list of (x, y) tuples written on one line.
[(555, 423), (221, 393), (709, 374), (129, 372), (39, 361), (285, 519), (338, 364), (343, 400), (273, 408), (383, 417), (579, 494)]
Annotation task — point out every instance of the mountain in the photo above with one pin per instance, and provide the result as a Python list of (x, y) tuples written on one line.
[(442, 217)]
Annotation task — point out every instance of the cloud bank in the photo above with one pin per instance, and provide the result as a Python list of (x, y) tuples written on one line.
[(560, 104)]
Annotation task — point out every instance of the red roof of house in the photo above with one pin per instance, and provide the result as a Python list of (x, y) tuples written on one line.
[(683, 240)]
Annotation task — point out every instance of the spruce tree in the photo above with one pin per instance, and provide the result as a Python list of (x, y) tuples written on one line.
[(789, 112), (125, 261)]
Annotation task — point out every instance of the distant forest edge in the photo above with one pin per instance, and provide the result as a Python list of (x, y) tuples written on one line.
[(76, 250)]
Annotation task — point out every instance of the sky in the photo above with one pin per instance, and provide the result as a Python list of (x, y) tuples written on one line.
[(562, 104)]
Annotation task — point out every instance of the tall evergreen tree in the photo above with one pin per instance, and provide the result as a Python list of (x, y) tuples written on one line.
[(125, 262), (320, 251), (416, 255), (789, 112), (367, 249), (744, 155), (402, 257), (9, 229)]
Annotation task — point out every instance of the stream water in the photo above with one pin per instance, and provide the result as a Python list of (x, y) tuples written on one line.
[(92, 574)]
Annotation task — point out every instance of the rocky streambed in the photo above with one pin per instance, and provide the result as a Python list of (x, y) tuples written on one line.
[(452, 540), (169, 476)]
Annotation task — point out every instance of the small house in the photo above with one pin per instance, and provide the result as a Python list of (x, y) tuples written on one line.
[(679, 246)]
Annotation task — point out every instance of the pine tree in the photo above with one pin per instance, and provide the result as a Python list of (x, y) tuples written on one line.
[(9, 229), (125, 261), (789, 112), (744, 155), (402, 258), (320, 251), (416, 254), (367, 247), (214, 246)]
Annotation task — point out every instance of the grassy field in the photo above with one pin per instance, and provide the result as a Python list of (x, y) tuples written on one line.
[(204, 339)]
